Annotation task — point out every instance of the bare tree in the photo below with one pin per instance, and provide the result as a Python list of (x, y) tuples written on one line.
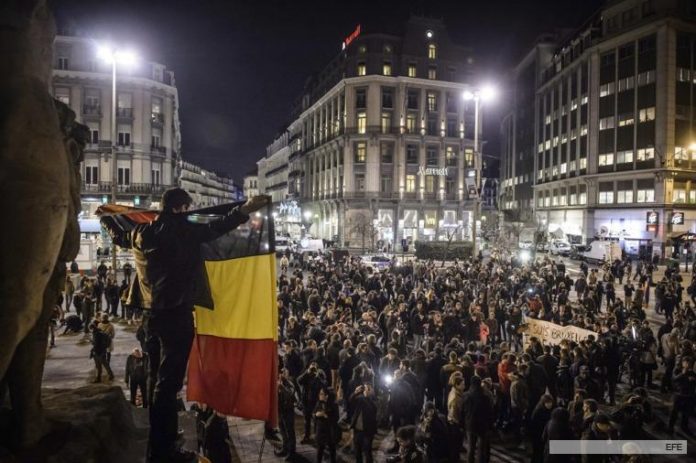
[(365, 229), (451, 232)]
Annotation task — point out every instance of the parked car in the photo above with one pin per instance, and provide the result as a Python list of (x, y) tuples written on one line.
[(542, 247), (576, 251), (379, 262), (559, 248), (282, 244)]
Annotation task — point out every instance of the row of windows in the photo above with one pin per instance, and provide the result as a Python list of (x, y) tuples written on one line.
[(564, 168), (555, 141), (388, 49), (432, 155), (627, 83), (412, 100), (411, 71), (91, 176), (622, 120), (564, 109)]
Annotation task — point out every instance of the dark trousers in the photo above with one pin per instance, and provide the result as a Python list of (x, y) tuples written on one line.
[(287, 431), (308, 410), (646, 374), (480, 440), (135, 384), (102, 361), (321, 446), (362, 443), (169, 339), (666, 383), (682, 404), (456, 438)]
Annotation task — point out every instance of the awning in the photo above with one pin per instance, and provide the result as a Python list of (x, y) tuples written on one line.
[(683, 236), (90, 226)]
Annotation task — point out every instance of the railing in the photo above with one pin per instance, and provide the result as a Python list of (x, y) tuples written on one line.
[(124, 112), (158, 149), (133, 188), (91, 110), (157, 118)]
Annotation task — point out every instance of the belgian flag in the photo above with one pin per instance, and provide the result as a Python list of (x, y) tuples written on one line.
[(233, 361)]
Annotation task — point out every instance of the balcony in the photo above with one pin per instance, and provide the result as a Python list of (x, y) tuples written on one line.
[(124, 113), (158, 149), (133, 188), (157, 118), (91, 110)]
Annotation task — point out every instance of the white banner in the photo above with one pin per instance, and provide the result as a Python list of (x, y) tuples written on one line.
[(552, 334)]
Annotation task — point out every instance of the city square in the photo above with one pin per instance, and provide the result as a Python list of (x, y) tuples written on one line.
[(394, 232)]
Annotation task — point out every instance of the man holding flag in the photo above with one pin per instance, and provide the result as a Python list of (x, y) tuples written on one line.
[(167, 260)]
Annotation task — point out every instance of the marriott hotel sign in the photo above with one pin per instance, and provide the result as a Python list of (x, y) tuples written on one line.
[(437, 171)]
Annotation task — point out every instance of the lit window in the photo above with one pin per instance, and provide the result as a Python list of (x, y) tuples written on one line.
[(62, 94), (451, 156), (680, 154), (606, 123), (624, 196), (683, 75), (432, 101), (412, 70), (360, 152), (432, 73), (564, 168), (606, 89), (645, 195), (679, 195), (646, 114), (606, 197), (582, 198), (432, 51), (573, 199), (547, 119), (386, 122), (645, 154), (583, 163), (583, 130), (606, 159), (645, 78), (626, 83), (572, 165), (626, 119), (362, 69), (410, 183), (362, 122), (387, 69), (430, 184), (411, 123), (623, 157)]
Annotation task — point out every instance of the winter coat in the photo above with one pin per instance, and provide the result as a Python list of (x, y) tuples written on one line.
[(479, 412)]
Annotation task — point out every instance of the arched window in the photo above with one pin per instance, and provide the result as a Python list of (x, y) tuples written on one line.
[(432, 51)]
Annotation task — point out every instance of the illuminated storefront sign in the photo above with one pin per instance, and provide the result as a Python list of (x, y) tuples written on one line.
[(652, 218), (438, 171), (351, 37), (677, 218)]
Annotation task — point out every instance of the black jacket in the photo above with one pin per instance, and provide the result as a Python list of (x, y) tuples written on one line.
[(137, 368), (168, 256), (364, 414), (478, 410)]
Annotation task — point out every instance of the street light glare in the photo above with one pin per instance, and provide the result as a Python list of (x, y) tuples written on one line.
[(127, 57), (488, 92), (692, 147), (105, 53), (468, 95)]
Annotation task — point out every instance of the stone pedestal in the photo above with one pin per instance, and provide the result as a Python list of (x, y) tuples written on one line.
[(89, 424)]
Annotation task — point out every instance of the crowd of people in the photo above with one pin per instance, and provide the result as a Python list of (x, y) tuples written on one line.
[(434, 360), (433, 363)]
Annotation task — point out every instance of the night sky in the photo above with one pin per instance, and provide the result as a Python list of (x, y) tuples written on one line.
[(240, 65)]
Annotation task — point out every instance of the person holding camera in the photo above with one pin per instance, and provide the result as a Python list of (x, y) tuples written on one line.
[(311, 382), (364, 421)]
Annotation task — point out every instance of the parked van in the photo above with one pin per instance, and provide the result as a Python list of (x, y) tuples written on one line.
[(600, 251)]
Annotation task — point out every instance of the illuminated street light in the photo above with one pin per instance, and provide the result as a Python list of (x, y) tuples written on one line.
[(485, 93), (308, 215), (114, 57), (692, 147)]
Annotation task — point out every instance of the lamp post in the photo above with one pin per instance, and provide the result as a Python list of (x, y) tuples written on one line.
[(113, 56), (485, 93)]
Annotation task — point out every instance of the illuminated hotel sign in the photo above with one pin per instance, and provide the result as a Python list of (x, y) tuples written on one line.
[(351, 37), (652, 218), (440, 172)]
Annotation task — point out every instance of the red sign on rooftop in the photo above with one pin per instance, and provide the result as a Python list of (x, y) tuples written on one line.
[(351, 37)]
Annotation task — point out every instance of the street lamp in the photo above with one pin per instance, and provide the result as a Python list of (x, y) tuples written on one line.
[(114, 56), (485, 93)]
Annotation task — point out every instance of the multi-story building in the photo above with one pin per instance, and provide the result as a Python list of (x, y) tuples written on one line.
[(206, 187), (382, 140), (272, 169), (251, 184), (516, 194), (148, 137), (273, 172), (614, 127)]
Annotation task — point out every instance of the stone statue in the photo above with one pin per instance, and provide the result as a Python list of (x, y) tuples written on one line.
[(41, 146)]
